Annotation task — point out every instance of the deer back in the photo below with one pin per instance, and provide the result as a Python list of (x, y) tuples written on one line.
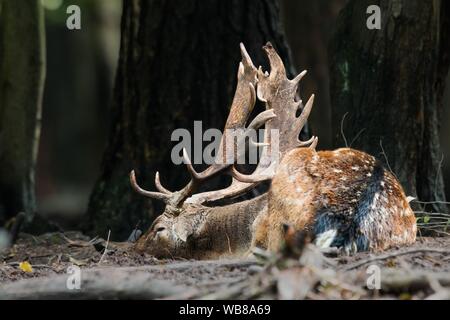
[(346, 198)]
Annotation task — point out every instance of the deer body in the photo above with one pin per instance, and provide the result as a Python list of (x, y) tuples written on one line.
[(343, 198)]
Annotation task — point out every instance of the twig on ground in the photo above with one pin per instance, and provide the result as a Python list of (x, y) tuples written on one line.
[(443, 294), (431, 202), (106, 248), (116, 283), (393, 255), (433, 214), (434, 229), (401, 281)]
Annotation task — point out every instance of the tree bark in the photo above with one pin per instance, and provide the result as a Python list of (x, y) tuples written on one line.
[(178, 63), (309, 25), (22, 74), (389, 84)]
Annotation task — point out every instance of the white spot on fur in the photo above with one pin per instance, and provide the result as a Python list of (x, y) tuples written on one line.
[(337, 171), (325, 239), (369, 174), (375, 200), (356, 168)]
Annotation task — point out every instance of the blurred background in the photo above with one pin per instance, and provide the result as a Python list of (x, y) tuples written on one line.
[(81, 66)]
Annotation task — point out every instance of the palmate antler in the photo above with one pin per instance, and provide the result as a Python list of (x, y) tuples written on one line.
[(279, 94), (241, 108)]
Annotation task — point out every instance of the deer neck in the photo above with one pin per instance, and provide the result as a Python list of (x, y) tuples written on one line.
[(226, 231)]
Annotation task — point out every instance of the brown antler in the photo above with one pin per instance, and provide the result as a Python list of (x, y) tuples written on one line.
[(279, 94), (241, 108)]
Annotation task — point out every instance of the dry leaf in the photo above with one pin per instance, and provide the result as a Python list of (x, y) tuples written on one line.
[(25, 266)]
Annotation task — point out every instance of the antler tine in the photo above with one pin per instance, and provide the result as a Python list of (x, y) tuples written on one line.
[(159, 186), (150, 194), (211, 170), (302, 119), (246, 60), (279, 93), (253, 178), (277, 68), (299, 77), (236, 188), (261, 119), (314, 143), (306, 143)]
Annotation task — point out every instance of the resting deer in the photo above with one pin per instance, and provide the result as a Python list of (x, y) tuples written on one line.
[(344, 198)]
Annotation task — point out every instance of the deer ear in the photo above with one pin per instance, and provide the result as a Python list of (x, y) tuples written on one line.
[(183, 231)]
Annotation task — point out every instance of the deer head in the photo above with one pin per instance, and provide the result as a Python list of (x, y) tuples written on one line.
[(186, 219)]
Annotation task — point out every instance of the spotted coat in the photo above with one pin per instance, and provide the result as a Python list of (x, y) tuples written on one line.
[(346, 198)]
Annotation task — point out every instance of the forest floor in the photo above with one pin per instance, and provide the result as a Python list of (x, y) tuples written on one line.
[(415, 272)]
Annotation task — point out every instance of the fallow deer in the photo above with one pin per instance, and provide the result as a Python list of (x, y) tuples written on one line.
[(344, 198)]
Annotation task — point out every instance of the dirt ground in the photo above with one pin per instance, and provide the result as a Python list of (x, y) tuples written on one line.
[(51, 254)]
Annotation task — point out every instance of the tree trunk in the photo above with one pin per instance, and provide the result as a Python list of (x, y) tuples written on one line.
[(178, 63), (309, 25), (22, 73), (389, 84)]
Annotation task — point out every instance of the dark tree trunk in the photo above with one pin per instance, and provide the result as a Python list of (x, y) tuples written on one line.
[(309, 25), (390, 82), (178, 63), (22, 73)]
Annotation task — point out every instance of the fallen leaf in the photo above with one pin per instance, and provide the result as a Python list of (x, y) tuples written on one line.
[(25, 266), (405, 296), (391, 263)]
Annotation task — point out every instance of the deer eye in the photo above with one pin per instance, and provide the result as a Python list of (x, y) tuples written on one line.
[(159, 229)]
